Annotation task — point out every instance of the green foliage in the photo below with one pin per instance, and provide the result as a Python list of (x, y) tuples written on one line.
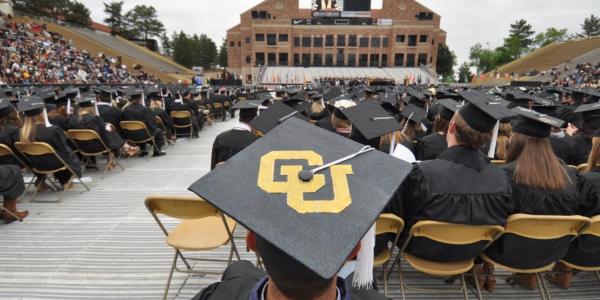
[(191, 51), (551, 35), (591, 26), (223, 54), (446, 61), (166, 44), (143, 22), (521, 31), (464, 73), (77, 14), (115, 19), (484, 60)]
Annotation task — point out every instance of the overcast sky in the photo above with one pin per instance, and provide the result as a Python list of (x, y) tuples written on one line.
[(465, 21)]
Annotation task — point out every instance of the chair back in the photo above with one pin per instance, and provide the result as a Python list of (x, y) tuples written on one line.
[(181, 114), (83, 135), (35, 149), (546, 227), (456, 234), (388, 223), (181, 119), (180, 207), (132, 127), (38, 150), (6, 151), (498, 162), (88, 141), (581, 168), (594, 228)]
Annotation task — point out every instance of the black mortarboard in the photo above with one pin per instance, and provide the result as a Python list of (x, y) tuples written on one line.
[(534, 124), (589, 111), (415, 94), (86, 101), (480, 113), (591, 93), (297, 216), (371, 120), (276, 114), (316, 96), (332, 93), (448, 108), (414, 113), (31, 106), (369, 90), (134, 93), (5, 108), (248, 108)]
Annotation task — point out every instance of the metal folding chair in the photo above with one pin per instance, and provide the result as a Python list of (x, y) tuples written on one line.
[(82, 139)]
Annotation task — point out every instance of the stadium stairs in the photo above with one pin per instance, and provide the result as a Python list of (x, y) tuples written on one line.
[(131, 54)]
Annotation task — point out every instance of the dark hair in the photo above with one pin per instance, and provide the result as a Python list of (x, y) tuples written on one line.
[(12, 119), (589, 127), (292, 278), (465, 135), (441, 124)]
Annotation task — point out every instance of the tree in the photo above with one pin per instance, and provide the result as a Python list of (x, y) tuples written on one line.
[(77, 13), (446, 61), (207, 53), (591, 26), (144, 22), (48, 8), (183, 52), (484, 60), (167, 46), (464, 73), (222, 59), (551, 35), (115, 19), (521, 30)]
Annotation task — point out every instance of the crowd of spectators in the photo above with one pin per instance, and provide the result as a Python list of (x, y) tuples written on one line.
[(584, 75), (30, 54)]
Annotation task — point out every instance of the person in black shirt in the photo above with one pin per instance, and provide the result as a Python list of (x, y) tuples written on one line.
[(136, 111), (11, 188)]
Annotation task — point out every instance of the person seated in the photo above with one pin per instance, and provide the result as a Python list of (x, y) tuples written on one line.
[(432, 145), (136, 111), (186, 103), (108, 110), (157, 108), (10, 123), (317, 110), (36, 128), (11, 188)]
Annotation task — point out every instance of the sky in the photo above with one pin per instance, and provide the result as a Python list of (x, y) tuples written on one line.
[(465, 21)]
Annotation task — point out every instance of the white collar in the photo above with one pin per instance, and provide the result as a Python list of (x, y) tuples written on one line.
[(242, 126)]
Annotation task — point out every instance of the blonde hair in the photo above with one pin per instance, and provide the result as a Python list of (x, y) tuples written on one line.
[(29, 129), (594, 157)]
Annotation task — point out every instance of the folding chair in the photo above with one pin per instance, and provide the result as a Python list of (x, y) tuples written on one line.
[(498, 162), (8, 155), (203, 228), (131, 128), (38, 149), (183, 116), (90, 144), (592, 232), (162, 127), (544, 229), (450, 234), (217, 109), (387, 223)]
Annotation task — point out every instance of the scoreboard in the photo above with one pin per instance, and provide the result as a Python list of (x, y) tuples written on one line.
[(341, 8)]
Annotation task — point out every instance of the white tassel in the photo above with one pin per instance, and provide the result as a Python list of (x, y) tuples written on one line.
[(363, 276), (96, 108), (393, 143), (46, 122), (69, 106), (406, 124), (492, 151), (143, 100)]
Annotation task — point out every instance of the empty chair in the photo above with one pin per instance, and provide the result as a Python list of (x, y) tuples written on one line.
[(183, 120)]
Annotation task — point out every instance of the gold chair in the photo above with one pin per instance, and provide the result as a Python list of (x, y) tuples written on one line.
[(450, 234), (82, 136), (217, 109), (38, 149), (543, 228), (184, 116), (387, 223), (131, 127), (203, 228), (162, 127), (498, 162), (593, 231)]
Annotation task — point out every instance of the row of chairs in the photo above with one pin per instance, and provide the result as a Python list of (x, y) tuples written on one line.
[(204, 227)]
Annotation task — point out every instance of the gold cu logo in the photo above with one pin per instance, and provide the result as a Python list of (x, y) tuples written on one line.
[(296, 188)]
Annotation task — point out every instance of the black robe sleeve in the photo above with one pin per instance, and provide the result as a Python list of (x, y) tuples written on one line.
[(59, 143)]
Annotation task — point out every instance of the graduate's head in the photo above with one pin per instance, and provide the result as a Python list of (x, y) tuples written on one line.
[(460, 133)]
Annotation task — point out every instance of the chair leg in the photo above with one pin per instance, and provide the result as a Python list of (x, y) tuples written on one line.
[(6, 211), (546, 291), (37, 188), (385, 283), (597, 275), (401, 275), (464, 286), (170, 276), (540, 286), (476, 280), (187, 265)]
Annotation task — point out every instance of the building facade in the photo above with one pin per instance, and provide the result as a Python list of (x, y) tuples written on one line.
[(403, 33)]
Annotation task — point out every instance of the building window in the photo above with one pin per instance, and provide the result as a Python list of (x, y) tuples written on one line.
[(410, 60), (374, 60), (423, 39), (283, 38), (306, 41), (272, 59), (318, 42), (384, 62), (341, 40), (248, 59), (351, 41), (297, 60), (375, 42), (364, 42), (231, 44), (247, 40), (296, 41), (329, 60), (351, 60), (412, 40), (240, 44), (399, 60), (339, 58), (283, 59), (306, 59), (363, 60), (317, 60), (400, 38), (271, 39), (260, 58), (329, 40), (259, 37), (384, 42), (422, 61)]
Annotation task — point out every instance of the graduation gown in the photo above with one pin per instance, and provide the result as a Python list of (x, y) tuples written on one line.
[(111, 115), (580, 148), (55, 137), (112, 139), (243, 281), (561, 148), (9, 135), (431, 146), (460, 186), (138, 112), (325, 123), (179, 105), (11, 182), (230, 143), (585, 250)]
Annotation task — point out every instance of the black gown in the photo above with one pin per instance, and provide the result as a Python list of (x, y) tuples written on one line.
[(585, 250), (243, 281), (112, 139), (178, 105), (9, 135), (460, 186), (230, 143), (561, 149), (166, 120), (11, 182), (138, 112), (325, 123), (509, 249), (430, 147), (55, 137), (111, 115), (580, 148)]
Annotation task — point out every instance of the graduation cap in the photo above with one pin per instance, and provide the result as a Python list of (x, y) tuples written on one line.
[(5, 108), (341, 105), (369, 90), (276, 114), (534, 124), (591, 93), (480, 113), (589, 111), (86, 101), (371, 120), (134, 93), (414, 113), (316, 96), (332, 93), (309, 193), (31, 106), (248, 108), (448, 108)]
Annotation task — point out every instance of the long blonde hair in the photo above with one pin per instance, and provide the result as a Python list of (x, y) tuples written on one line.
[(503, 140), (594, 157), (29, 129)]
